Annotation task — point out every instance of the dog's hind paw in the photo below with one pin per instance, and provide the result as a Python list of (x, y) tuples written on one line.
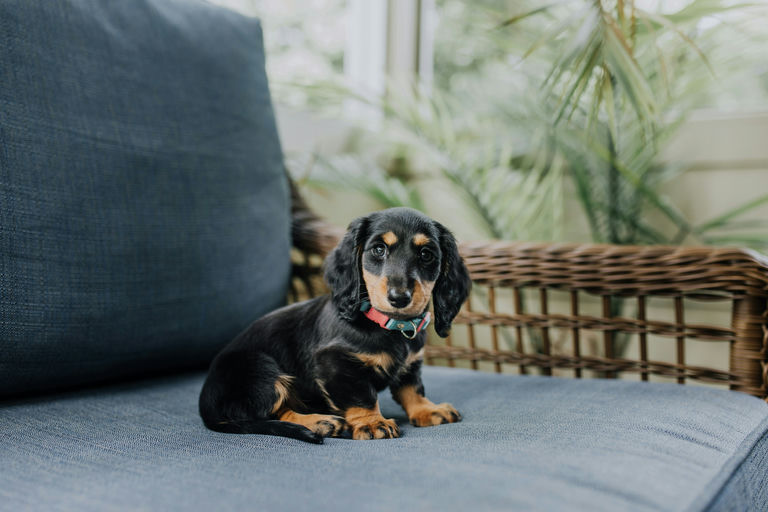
[(325, 425), (330, 426)]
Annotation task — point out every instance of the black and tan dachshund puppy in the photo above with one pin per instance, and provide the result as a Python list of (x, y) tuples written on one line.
[(313, 369)]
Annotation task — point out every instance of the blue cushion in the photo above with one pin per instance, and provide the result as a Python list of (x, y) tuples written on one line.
[(526, 443), (144, 212)]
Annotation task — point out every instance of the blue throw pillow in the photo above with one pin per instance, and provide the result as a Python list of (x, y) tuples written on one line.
[(144, 211)]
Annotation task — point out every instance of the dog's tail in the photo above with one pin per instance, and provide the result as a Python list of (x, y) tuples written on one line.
[(266, 427)]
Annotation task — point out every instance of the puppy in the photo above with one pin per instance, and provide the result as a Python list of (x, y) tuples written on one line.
[(313, 369)]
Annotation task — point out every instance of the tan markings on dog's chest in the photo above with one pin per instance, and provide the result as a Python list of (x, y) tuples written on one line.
[(409, 360), (382, 363), (413, 357)]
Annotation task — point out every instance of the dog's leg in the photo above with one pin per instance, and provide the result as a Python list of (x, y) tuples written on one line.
[(409, 393), (346, 383)]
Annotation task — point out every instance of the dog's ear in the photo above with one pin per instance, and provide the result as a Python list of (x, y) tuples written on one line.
[(453, 284), (343, 272)]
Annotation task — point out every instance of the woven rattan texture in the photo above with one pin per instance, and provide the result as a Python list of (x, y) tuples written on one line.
[(619, 270), (637, 274)]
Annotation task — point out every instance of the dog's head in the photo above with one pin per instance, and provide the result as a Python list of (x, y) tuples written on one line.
[(400, 258)]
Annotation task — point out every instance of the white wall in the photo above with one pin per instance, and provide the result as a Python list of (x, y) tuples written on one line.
[(729, 157)]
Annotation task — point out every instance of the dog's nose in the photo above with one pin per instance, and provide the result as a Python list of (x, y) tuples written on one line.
[(399, 298)]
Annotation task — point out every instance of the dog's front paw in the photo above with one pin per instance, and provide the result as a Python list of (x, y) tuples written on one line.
[(429, 414), (370, 424), (381, 428)]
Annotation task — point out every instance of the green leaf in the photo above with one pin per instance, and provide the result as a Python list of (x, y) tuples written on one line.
[(531, 12), (659, 202), (723, 219), (745, 224), (584, 188), (345, 172), (736, 239), (627, 73), (610, 102), (571, 100), (701, 8), (667, 23), (550, 35)]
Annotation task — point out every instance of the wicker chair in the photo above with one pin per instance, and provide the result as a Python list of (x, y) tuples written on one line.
[(530, 272)]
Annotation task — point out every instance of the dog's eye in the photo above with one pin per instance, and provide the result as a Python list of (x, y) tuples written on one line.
[(426, 256), (379, 250)]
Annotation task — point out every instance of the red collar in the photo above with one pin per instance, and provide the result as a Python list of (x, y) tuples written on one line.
[(409, 328)]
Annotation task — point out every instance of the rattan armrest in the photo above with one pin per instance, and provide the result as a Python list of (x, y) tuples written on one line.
[(634, 273)]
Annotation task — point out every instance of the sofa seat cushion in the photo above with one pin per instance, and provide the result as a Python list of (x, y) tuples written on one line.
[(144, 209), (526, 443)]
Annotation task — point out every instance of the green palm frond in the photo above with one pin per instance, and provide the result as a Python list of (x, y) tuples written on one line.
[(531, 12), (695, 11), (350, 172)]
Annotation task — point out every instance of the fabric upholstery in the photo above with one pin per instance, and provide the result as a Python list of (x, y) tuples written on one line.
[(144, 213), (526, 443)]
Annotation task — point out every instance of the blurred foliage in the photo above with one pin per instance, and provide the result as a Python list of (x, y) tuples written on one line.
[(619, 83), (532, 103), (304, 42), (466, 45)]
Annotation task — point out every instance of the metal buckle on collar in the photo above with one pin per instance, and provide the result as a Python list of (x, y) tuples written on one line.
[(415, 332), (400, 326)]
